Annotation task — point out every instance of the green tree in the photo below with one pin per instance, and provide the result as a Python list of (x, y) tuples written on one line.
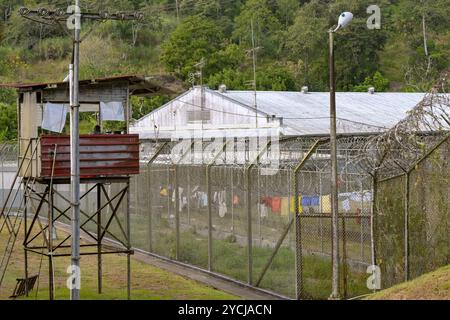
[(266, 27), (142, 106), (287, 11), (377, 81), (306, 43), (195, 38), (8, 122)]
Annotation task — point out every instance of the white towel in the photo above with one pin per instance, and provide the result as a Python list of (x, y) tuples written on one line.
[(112, 111), (54, 117)]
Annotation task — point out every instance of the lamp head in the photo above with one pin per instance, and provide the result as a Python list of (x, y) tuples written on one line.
[(344, 19)]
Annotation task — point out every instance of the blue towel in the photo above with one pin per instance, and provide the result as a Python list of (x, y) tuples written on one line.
[(306, 201), (315, 201)]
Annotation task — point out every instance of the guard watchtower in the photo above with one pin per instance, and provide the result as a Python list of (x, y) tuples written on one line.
[(109, 156)]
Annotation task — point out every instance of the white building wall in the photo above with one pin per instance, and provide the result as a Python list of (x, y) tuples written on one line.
[(226, 117)]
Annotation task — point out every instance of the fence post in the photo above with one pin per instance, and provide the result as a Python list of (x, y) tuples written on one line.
[(406, 205), (298, 241), (177, 213), (344, 258), (373, 227), (208, 188), (249, 227), (149, 197), (150, 204)]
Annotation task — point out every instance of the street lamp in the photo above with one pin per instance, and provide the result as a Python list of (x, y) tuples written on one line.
[(344, 20)]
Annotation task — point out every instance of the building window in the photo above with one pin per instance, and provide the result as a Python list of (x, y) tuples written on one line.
[(198, 116)]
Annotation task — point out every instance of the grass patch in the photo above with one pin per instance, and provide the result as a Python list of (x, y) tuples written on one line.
[(430, 286), (148, 282)]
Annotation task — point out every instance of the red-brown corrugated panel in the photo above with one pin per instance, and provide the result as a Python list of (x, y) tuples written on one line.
[(101, 155)]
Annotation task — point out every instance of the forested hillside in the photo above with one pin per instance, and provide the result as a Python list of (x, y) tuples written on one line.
[(290, 41)]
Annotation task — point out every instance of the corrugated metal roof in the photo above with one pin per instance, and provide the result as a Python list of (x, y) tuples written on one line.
[(306, 114), (140, 84)]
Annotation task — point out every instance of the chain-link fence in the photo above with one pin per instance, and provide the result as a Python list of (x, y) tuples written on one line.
[(413, 218), (235, 213), (238, 217), (8, 169)]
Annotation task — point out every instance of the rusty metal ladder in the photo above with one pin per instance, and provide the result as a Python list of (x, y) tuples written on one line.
[(12, 219)]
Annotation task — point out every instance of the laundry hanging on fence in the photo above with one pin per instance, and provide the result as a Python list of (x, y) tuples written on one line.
[(236, 200), (346, 205), (163, 192), (306, 201), (221, 198), (112, 111), (263, 210), (310, 201), (54, 117), (284, 206), (325, 203), (203, 199), (276, 205), (180, 198), (300, 207), (222, 209)]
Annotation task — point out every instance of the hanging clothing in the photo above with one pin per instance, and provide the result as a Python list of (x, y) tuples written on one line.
[(315, 201), (276, 205), (300, 207), (54, 117), (204, 199), (325, 202), (284, 206), (263, 211), (221, 198), (163, 192), (267, 201), (306, 201), (112, 111), (222, 209), (346, 205)]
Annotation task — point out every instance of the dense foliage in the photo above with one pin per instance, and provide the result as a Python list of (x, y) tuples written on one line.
[(290, 41)]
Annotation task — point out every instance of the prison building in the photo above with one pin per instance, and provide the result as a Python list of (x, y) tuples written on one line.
[(216, 113)]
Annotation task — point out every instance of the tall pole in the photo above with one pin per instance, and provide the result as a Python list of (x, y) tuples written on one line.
[(74, 119), (178, 10), (334, 175), (75, 161), (254, 75)]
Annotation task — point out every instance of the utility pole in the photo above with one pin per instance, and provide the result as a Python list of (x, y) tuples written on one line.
[(55, 17), (200, 65), (255, 105), (75, 158)]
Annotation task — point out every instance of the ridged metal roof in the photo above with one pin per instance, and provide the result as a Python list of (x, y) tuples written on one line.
[(308, 113)]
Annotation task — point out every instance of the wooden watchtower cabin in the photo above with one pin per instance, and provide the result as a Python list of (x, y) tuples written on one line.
[(107, 157)]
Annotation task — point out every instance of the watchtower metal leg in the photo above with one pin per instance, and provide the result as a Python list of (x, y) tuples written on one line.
[(99, 239), (50, 245), (25, 252), (128, 242)]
